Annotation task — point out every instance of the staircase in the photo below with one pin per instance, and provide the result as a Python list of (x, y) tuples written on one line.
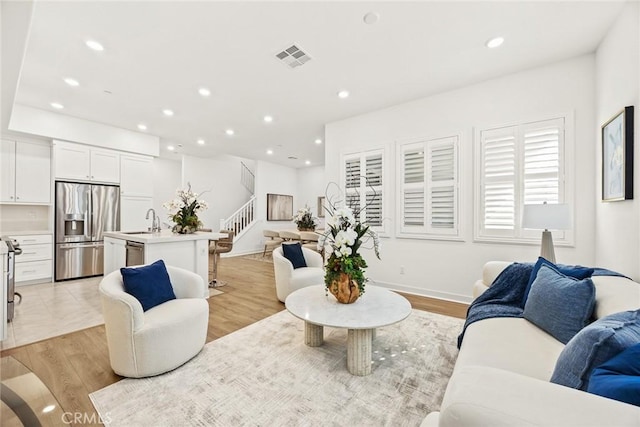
[(240, 220), (243, 218)]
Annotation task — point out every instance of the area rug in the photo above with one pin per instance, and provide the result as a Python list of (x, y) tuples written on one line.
[(264, 375)]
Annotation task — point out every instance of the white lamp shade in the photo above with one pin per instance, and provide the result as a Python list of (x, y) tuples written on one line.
[(546, 217)]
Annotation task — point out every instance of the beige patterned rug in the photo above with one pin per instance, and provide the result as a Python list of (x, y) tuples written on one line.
[(264, 375)]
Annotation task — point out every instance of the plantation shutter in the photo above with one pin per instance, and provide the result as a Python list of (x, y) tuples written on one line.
[(498, 180), (373, 190), (442, 184), (363, 178), (413, 192), (519, 165), (542, 175), (429, 188)]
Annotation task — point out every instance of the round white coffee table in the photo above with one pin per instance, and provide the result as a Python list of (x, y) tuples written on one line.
[(376, 308)]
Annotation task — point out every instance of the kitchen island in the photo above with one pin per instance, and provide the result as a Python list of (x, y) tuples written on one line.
[(188, 251)]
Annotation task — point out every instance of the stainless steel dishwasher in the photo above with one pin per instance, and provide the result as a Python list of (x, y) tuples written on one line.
[(135, 253)]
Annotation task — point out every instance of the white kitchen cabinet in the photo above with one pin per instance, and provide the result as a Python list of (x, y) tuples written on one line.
[(79, 162), (136, 175), (115, 254), (26, 173), (105, 166), (35, 263), (133, 211)]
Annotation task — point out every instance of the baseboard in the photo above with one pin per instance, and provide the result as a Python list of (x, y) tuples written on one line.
[(447, 296)]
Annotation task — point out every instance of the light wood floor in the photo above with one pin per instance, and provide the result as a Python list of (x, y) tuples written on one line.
[(76, 364)]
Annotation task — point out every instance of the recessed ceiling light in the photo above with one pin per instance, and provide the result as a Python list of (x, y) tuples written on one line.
[(48, 409), (167, 112), (92, 44), (268, 119), (229, 132), (318, 141), (170, 147), (201, 141), (142, 126), (371, 18), (71, 82), (494, 42), (269, 152), (57, 105), (343, 94), (307, 162), (204, 91)]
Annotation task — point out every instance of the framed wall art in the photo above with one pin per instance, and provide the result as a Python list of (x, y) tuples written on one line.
[(617, 157), (279, 207)]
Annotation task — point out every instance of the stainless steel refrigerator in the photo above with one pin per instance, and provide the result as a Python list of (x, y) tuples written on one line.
[(83, 213)]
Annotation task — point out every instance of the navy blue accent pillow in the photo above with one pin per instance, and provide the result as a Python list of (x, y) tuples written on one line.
[(575, 271), (293, 252), (558, 304), (149, 284), (594, 345), (619, 377)]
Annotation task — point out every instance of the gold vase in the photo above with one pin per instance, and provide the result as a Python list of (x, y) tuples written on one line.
[(345, 289)]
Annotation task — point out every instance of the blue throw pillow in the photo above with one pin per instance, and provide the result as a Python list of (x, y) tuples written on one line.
[(575, 271), (558, 304), (619, 377), (149, 284), (594, 345), (293, 252)]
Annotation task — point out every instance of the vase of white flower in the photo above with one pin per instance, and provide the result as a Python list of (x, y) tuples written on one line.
[(304, 220), (187, 207), (344, 272)]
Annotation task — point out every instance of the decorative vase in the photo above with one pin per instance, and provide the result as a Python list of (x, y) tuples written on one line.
[(184, 229), (345, 289)]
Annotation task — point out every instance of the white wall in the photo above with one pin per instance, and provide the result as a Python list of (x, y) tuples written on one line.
[(311, 185), (167, 178), (448, 269), (219, 178), (617, 85)]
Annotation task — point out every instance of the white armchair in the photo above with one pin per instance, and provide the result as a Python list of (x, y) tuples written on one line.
[(146, 343), (289, 279)]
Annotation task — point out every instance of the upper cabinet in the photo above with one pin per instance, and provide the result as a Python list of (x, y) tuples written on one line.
[(25, 173), (136, 175), (83, 163)]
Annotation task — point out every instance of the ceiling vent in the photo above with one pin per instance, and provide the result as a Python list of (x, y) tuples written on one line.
[(293, 56)]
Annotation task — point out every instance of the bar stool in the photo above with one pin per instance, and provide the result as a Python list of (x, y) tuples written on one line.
[(217, 247)]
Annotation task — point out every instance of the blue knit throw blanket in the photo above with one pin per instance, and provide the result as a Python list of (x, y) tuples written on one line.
[(505, 297)]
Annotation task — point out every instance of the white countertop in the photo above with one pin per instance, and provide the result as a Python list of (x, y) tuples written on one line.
[(24, 232), (164, 236)]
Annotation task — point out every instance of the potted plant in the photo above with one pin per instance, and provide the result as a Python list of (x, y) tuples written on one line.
[(187, 207), (344, 271), (305, 220)]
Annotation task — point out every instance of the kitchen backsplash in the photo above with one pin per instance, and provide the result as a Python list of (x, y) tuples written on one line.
[(16, 218)]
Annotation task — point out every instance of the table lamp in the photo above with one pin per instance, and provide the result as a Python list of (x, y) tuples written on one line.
[(547, 217)]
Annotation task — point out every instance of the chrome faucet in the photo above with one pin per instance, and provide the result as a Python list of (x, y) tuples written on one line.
[(155, 222)]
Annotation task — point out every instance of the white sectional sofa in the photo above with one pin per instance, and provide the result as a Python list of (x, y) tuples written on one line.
[(501, 376)]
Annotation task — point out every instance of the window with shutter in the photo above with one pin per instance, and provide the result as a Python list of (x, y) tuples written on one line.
[(363, 181), (517, 165), (428, 188)]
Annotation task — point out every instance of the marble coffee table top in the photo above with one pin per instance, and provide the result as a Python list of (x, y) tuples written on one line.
[(377, 307)]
